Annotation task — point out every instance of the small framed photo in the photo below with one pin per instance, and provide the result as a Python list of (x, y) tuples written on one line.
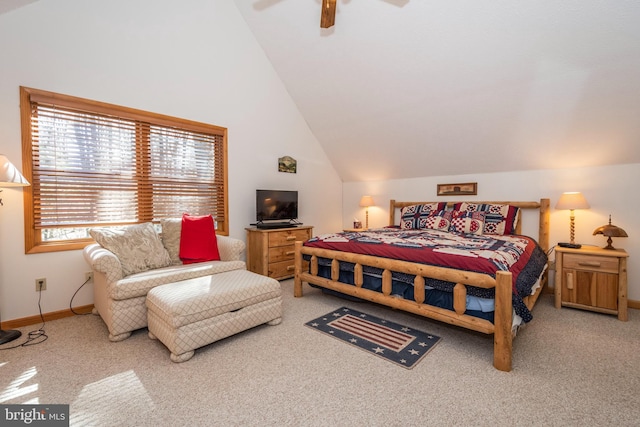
[(287, 164), (464, 189)]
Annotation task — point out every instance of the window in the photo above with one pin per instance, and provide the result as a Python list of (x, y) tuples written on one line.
[(92, 164)]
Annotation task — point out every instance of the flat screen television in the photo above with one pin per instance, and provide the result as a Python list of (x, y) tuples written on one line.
[(276, 206)]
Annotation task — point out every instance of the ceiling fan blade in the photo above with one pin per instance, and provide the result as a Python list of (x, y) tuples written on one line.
[(328, 16)]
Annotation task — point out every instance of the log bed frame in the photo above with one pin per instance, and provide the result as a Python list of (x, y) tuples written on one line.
[(502, 326)]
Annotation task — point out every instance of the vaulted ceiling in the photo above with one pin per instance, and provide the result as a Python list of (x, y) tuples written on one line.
[(413, 88), (409, 88)]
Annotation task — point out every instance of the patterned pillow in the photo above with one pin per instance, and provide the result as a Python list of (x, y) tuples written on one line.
[(440, 220), (415, 216), (138, 247), (467, 222), (171, 228), (499, 219)]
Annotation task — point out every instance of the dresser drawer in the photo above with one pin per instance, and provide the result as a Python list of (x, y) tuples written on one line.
[(591, 263), (282, 269), (287, 237), (281, 253)]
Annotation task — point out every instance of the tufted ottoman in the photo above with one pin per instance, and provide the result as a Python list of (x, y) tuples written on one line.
[(192, 313)]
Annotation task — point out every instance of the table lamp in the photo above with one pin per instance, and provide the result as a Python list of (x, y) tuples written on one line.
[(9, 177), (570, 201), (366, 201), (610, 231)]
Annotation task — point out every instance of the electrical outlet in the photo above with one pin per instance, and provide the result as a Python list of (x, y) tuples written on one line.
[(41, 284), (88, 276)]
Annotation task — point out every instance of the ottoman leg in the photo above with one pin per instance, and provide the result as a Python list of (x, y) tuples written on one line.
[(178, 358), (275, 321)]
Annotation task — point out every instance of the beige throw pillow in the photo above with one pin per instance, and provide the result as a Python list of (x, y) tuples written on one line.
[(138, 247), (171, 229)]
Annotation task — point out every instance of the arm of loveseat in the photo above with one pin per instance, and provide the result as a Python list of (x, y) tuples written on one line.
[(230, 248), (103, 261)]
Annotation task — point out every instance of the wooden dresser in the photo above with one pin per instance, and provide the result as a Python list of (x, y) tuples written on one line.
[(270, 251), (593, 279)]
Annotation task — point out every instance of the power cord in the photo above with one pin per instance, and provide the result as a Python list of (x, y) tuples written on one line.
[(74, 295), (39, 333)]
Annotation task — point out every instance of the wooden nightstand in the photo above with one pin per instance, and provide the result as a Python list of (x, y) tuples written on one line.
[(592, 278)]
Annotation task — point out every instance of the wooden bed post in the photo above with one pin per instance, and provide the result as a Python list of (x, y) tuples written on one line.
[(297, 281), (392, 212), (543, 233), (502, 338)]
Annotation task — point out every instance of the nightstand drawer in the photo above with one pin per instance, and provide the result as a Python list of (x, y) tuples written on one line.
[(591, 263)]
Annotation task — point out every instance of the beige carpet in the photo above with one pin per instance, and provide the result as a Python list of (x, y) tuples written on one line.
[(571, 368)]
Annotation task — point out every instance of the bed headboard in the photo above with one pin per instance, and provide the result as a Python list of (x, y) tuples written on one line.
[(543, 206)]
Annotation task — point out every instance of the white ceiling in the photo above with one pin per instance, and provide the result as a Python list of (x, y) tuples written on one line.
[(412, 88), (415, 88)]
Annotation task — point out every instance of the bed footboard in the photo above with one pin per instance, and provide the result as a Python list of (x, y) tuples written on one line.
[(501, 328)]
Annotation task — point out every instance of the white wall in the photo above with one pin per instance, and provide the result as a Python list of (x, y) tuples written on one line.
[(194, 59), (609, 190)]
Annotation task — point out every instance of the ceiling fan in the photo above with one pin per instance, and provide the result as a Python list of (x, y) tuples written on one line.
[(328, 16), (328, 13)]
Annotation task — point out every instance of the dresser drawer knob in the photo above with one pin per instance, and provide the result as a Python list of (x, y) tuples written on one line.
[(291, 237), (290, 252)]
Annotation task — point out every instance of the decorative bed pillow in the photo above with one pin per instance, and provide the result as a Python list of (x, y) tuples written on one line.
[(198, 241), (138, 247), (415, 216), (499, 219), (467, 222), (171, 228), (440, 220)]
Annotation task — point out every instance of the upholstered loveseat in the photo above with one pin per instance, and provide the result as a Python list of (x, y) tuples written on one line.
[(140, 259)]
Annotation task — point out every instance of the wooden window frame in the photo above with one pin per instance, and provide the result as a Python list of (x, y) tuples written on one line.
[(33, 236)]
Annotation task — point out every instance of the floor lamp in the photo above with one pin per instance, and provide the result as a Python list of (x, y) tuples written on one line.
[(9, 177)]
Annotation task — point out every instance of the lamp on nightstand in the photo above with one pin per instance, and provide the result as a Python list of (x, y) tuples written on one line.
[(366, 201), (610, 231), (9, 177), (570, 201)]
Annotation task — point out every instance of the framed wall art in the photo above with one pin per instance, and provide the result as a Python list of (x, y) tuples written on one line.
[(464, 189), (287, 164)]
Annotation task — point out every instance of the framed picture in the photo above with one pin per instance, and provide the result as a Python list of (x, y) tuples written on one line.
[(287, 164), (465, 189)]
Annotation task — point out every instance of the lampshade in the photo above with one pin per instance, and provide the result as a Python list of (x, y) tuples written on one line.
[(9, 175), (366, 201), (610, 231), (572, 200)]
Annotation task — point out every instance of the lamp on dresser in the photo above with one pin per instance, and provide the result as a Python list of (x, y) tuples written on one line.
[(9, 177), (365, 202), (571, 201)]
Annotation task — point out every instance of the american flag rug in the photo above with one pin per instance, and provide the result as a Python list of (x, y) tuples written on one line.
[(396, 343)]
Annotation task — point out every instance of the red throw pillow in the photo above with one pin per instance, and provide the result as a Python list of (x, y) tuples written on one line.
[(198, 241)]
